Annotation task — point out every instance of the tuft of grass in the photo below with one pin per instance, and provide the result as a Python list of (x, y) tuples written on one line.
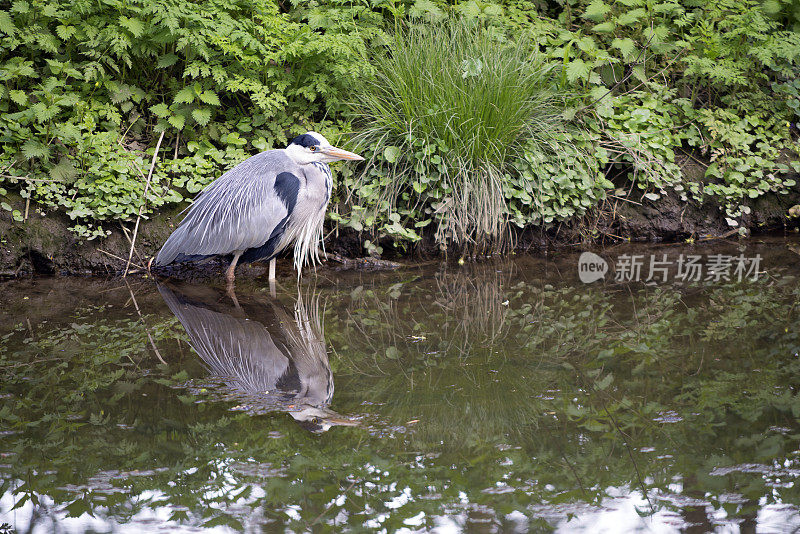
[(460, 104)]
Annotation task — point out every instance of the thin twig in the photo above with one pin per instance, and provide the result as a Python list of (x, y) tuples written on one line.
[(144, 201), (723, 236), (146, 330), (118, 257), (128, 237)]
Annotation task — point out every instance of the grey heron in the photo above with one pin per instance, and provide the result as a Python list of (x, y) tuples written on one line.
[(260, 354), (260, 207)]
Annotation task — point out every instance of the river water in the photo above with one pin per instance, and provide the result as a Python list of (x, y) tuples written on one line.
[(495, 396)]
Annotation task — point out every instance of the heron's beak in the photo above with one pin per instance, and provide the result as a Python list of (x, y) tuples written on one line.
[(341, 154), (341, 421)]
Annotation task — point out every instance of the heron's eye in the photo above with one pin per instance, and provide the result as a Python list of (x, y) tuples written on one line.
[(315, 420), (312, 148)]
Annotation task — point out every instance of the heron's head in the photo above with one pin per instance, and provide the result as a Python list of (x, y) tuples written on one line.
[(312, 147), (319, 418)]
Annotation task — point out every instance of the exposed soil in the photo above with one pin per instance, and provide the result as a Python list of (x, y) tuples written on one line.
[(44, 244)]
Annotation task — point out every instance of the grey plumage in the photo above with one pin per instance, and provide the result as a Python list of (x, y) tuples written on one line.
[(237, 211), (260, 207), (267, 358)]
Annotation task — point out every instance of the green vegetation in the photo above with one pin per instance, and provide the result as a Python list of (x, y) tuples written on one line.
[(645, 88), (448, 111)]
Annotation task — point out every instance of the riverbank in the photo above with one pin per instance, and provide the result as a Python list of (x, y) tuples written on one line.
[(43, 244)]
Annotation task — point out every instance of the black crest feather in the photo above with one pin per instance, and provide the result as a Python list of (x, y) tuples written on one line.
[(305, 140)]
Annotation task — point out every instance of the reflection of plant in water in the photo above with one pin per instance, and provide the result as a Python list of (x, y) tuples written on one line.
[(554, 398), (578, 373)]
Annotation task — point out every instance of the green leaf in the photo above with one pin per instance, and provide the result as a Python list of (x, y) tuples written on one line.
[(391, 153), (605, 27), (209, 97), (6, 24), (596, 10), (603, 101), (63, 171), (160, 110), (19, 97), (577, 69), (177, 121), (167, 60), (185, 96), (20, 6), (65, 32), (135, 26), (629, 17), (605, 381), (626, 46), (34, 149), (202, 116), (425, 9)]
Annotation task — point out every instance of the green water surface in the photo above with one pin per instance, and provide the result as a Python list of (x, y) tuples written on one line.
[(494, 396)]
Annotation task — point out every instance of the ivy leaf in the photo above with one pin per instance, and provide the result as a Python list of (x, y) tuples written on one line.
[(202, 116), (577, 69), (185, 96), (209, 97), (160, 110), (34, 149)]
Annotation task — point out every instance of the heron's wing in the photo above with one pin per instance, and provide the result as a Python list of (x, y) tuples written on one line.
[(305, 340), (239, 350), (239, 210)]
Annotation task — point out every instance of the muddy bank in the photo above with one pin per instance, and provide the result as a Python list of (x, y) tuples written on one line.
[(44, 244)]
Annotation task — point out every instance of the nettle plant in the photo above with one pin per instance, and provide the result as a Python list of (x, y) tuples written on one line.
[(670, 82), (88, 86)]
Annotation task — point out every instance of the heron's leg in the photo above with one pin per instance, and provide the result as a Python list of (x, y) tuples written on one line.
[(232, 294), (272, 270), (229, 274)]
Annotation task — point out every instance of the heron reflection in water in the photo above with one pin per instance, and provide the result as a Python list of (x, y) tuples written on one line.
[(265, 357)]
